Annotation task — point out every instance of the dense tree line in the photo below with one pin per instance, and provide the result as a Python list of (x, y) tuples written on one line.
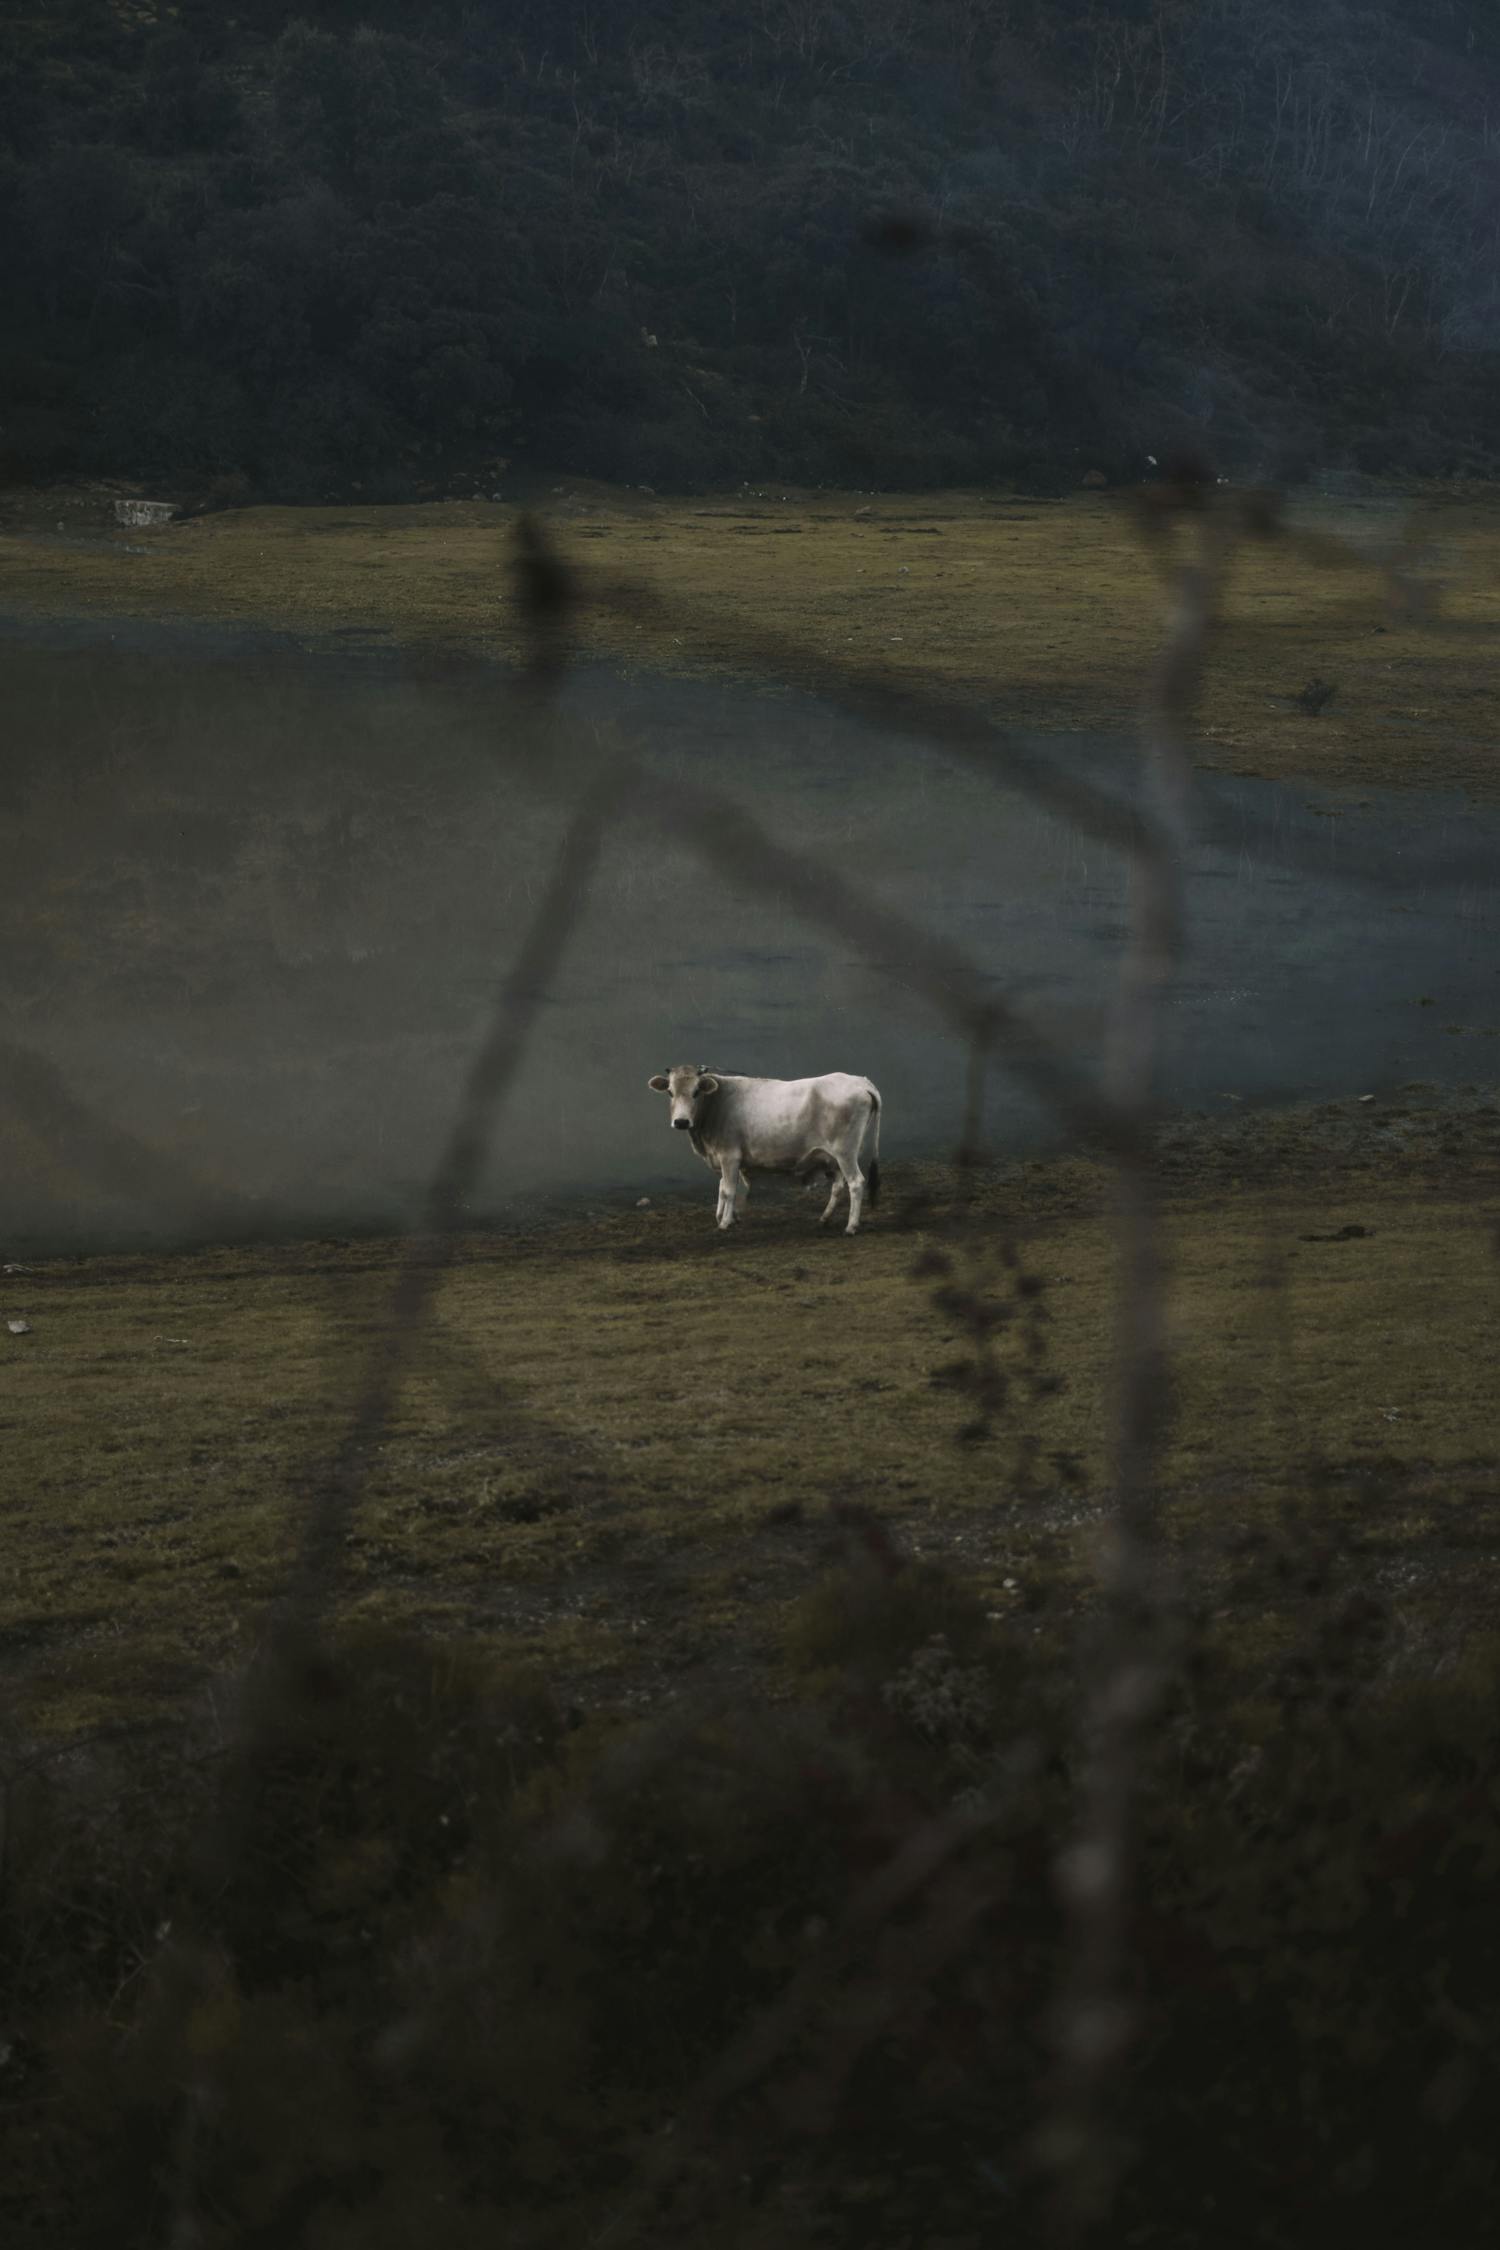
[(303, 250)]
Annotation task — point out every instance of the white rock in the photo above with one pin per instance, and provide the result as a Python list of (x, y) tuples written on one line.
[(19, 1327), (139, 515)]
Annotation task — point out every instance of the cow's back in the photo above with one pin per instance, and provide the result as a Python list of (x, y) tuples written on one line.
[(776, 1122)]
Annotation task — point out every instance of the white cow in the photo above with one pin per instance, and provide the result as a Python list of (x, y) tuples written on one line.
[(809, 1126)]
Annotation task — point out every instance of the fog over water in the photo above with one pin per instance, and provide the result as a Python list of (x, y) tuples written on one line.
[(254, 904)]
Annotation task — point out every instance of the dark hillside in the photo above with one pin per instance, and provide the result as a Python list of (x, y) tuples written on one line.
[(304, 251)]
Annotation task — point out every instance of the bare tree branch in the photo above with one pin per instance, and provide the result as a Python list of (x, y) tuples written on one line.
[(457, 1174), (1094, 2017)]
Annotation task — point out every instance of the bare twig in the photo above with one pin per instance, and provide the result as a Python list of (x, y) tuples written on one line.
[(893, 705), (940, 972), (1094, 2020), (457, 1174)]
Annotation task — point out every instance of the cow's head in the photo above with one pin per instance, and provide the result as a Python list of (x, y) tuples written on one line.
[(690, 1086)]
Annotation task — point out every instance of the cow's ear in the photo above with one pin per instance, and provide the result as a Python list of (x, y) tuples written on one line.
[(708, 1084), (658, 1085)]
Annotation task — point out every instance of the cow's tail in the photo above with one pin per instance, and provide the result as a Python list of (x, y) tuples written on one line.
[(872, 1176)]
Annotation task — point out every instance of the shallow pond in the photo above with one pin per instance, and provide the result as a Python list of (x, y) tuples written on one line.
[(254, 904)]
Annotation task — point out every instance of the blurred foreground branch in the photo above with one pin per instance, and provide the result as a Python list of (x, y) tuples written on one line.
[(1094, 2014), (455, 1178)]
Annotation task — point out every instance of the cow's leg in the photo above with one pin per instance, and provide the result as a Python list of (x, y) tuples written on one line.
[(854, 1181), (835, 1197), (741, 1196), (729, 1191)]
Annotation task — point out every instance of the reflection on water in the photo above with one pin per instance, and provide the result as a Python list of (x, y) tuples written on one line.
[(252, 907)]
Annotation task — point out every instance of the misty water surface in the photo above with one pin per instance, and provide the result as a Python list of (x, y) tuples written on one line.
[(254, 904)]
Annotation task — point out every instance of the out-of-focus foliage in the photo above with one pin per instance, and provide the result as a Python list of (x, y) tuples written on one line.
[(426, 1953), (360, 246)]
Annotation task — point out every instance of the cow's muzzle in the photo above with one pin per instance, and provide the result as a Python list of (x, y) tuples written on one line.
[(682, 1124)]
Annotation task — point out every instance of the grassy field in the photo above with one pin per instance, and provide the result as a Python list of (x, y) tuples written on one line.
[(1048, 611), (619, 1441)]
